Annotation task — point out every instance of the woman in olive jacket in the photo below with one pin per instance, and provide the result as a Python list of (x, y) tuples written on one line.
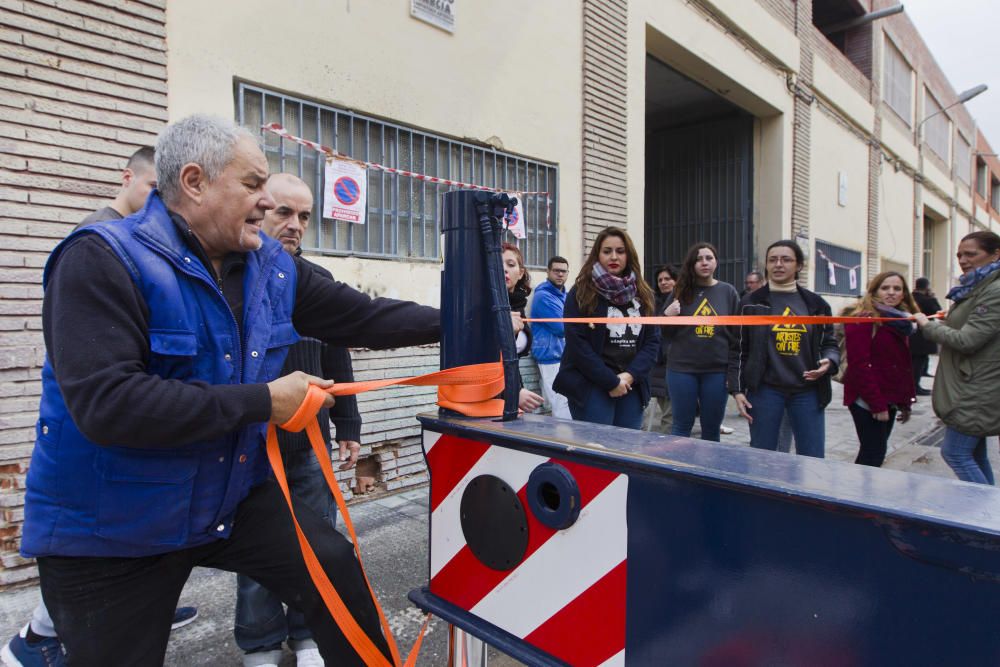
[(968, 372)]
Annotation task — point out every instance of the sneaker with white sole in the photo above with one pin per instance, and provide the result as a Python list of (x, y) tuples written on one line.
[(183, 616), (725, 430), (19, 653), (309, 657), (262, 658)]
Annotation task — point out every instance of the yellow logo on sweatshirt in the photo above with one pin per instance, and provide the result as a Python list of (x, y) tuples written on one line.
[(704, 309), (788, 337)]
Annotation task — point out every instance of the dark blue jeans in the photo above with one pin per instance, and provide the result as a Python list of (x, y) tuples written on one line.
[(624, 411), (261, 621), (701, 394), (804, 414), (966, 456)]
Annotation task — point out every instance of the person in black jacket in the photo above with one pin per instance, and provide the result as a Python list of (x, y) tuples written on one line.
[(518, 282), (605, 368), (659, 415), (262, 623), (781, 367), (921, 348)]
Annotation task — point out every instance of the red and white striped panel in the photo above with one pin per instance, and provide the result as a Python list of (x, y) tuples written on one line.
[(567, 597)]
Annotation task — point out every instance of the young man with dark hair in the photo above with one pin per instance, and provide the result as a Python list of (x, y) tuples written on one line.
[(138, 180), (549, 339)]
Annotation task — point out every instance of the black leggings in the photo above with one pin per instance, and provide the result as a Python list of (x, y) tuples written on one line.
[(872, 434)]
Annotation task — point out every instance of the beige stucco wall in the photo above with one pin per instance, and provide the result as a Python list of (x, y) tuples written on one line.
[(522, 89), (895, 231), (836, 150)]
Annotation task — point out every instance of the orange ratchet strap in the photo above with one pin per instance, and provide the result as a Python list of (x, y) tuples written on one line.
[(469, 390)]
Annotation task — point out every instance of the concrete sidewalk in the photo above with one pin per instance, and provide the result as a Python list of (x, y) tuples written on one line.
[(394, 533)]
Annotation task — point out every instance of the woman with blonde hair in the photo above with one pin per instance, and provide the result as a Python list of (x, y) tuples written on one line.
[(878, 381), (605, 368)]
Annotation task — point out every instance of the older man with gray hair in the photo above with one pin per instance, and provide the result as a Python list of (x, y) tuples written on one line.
[(165, 335)]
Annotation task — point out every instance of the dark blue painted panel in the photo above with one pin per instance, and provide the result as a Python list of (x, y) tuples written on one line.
[(743, 557), (724, 577), (932, 501)]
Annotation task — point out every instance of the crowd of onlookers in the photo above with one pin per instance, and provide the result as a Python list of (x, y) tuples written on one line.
[(779, 375)]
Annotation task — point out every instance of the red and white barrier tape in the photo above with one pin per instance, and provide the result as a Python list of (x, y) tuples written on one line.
[(282, 132)]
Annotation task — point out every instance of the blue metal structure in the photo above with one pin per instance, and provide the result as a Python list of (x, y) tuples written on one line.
[(675, 551)]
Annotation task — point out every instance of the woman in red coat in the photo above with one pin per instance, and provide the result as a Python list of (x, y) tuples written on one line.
[(878, 384)]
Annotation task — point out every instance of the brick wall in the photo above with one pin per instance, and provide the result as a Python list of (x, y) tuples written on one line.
[(82, 85), (840, 63), (605, 75), (906, 38), (783, 10), (802, 132)]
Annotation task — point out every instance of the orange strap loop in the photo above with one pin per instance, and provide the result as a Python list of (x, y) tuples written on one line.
[(468, 390)]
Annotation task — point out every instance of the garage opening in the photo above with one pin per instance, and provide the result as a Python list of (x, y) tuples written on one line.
[(699, 169)]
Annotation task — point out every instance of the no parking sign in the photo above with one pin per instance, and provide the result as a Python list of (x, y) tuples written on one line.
[(345, 191)]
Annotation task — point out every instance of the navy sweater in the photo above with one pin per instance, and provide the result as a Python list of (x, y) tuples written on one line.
[(582, 369)]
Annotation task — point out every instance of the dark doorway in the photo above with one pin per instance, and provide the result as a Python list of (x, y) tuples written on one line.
[(699, 171)]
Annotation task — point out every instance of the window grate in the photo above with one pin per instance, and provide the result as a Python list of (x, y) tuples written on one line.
[(898, 82), (843, 261), (403, 213), (963, 159), (937, 129)]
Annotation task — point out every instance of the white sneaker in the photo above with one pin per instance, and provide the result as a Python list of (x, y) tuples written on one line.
[(309, 657), (725, 430), (262, 659)]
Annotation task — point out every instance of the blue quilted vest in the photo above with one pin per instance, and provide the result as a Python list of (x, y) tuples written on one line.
[(85, 499)]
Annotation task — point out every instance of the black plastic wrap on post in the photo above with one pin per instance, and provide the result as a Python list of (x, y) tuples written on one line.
[(475, 322), (490, 210)]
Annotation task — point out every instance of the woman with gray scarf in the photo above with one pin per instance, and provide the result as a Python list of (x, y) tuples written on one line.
[(604, 372), (968, 372)]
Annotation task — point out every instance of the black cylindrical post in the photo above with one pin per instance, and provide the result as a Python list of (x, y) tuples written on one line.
[(475, 309)]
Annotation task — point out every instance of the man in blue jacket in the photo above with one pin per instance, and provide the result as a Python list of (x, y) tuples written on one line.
[(165, 334), (549, 339)]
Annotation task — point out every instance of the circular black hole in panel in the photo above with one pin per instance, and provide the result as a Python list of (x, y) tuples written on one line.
[(494, 523), (554, 496), (549, 495)]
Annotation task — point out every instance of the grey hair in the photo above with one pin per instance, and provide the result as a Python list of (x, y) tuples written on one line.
[(205, 140)]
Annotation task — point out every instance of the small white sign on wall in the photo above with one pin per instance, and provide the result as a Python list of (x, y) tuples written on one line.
[(345, 191), (842, 188), (439, 13)]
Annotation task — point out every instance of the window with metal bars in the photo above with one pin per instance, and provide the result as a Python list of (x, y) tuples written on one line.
[(844, 261), (403, 220)]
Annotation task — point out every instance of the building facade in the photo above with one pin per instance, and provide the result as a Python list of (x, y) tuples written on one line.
[(734, 121)]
